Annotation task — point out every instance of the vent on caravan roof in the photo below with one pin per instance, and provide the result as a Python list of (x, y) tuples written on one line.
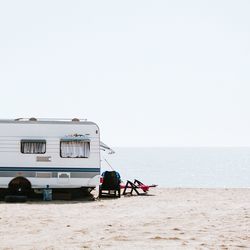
[(75, 120), (33, 119)]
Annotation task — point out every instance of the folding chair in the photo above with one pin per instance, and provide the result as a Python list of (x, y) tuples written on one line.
[(136, 186), (110, 186)]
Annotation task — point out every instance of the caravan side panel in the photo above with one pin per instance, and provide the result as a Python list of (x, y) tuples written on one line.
[(48, 168)]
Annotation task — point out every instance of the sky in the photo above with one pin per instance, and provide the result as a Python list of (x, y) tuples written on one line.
[(149, 73)]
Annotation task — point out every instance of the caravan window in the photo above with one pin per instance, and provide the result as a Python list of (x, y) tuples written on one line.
[(33, 146), (74, 149)]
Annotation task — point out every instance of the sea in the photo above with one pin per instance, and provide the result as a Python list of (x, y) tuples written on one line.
[(199, 167)]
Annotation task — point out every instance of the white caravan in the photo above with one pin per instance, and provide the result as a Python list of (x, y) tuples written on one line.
[(50, 152)]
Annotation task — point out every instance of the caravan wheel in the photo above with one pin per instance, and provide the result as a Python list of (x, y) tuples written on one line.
[(19, 186)]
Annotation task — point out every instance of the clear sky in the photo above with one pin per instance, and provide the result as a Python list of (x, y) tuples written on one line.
[(150, 73)]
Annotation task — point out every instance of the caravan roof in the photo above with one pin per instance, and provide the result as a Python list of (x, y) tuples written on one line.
[(47, 121)]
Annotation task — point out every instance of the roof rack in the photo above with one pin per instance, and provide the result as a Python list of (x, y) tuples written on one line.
[(33, 119)]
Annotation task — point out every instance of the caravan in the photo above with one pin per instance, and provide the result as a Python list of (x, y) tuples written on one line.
[(58, 153)]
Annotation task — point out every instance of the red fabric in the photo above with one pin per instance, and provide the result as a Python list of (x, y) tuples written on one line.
[(144, 188)]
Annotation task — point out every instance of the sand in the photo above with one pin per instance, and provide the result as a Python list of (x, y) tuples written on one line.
[(166, 219)]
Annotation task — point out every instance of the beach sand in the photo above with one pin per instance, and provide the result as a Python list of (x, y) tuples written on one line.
[(164, 219)]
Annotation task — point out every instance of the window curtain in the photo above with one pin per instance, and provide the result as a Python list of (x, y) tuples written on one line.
[(75, 149), (33, 147)]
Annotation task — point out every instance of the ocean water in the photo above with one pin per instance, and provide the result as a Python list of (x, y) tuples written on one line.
[(183, 167)]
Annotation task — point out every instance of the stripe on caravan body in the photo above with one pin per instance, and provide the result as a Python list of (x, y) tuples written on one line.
[(50, 169), (34, 172)]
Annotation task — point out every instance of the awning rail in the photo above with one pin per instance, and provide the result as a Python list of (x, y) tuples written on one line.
[(105, 147)]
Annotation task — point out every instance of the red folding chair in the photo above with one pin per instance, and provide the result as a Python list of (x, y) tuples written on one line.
[(136, 186)]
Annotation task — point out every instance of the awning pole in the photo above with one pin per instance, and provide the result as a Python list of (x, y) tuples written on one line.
[(109, 164)]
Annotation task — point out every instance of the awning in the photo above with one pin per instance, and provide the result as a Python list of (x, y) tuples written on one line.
[(105, 147), (78, 138)]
